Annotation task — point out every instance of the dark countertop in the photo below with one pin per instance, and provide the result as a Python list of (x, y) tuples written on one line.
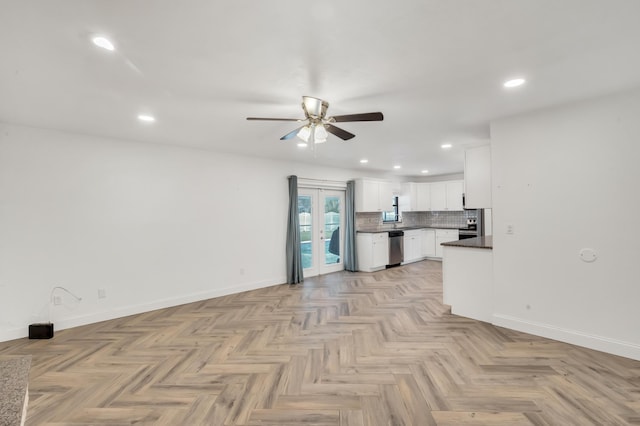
[(14, 382), (478, 242), (404, 228)]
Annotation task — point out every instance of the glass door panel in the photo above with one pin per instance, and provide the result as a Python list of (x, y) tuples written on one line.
[(321, 230), (332, 215), (305, 210)]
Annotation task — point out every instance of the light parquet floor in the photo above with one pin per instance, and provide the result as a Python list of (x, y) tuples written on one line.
[(342, 349)]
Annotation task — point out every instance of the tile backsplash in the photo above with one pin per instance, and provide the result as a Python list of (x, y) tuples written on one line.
[(436, 219), (371, 221)]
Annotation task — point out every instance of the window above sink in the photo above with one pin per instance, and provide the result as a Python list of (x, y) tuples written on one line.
[(391, 216)]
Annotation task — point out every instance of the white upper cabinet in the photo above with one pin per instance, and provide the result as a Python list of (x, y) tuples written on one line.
[(423, 196), (385, 196), (367, 194), (454, 195), (438, 196), (447, 195), (477, 177), (374, 196), (408, 197), (415, 197)]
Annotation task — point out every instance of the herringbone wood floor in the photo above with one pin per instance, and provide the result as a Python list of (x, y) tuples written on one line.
[(342, 349)]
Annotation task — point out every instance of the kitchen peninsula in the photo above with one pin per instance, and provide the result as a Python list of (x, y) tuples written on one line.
[(467, 277)]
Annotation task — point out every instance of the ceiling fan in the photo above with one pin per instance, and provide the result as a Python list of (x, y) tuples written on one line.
[(317, 124)]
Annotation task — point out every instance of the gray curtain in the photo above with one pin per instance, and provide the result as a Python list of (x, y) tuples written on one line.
[(294, 254), (350, 259)]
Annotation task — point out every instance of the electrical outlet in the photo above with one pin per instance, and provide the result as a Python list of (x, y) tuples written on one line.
[(57, 300), (102, 293), (509, 229)]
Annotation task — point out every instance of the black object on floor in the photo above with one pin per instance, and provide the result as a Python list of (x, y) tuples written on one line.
[(41, 331)]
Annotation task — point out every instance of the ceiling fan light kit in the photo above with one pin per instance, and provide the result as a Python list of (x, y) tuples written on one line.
[(320, 134), (318, 126), (304, 133), (315, 133)]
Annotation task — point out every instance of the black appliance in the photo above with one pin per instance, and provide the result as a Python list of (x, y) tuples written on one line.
[(465, 233), (474, 227)]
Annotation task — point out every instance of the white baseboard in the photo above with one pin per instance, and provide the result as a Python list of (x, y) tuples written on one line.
[(591, 341), (14, 333), (18, 333)]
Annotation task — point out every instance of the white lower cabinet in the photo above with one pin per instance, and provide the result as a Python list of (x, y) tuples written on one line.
[(428, 243), (412, 245), (372, 251), (444, 236), (373, 248)]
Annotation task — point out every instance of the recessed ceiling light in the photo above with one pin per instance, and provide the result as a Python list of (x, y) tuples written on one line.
[(146, 118), (397, 166), (103, 42), (364, 161), (302, 145), (514, 82), (446, 146), (425, 171)]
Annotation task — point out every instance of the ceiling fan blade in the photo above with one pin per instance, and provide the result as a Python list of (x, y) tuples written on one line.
[(368, 116), (291, 134), (275, 119), (342, 134)]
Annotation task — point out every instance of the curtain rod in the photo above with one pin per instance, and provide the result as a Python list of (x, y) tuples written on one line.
[(322, 183), (322, 180)]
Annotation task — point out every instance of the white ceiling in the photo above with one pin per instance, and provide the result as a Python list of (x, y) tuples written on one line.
[(434, 68)]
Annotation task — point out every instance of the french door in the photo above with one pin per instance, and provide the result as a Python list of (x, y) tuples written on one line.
[(321, 214)]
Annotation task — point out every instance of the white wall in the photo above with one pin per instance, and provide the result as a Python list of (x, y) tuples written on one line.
[(153, 225), (566, 179)]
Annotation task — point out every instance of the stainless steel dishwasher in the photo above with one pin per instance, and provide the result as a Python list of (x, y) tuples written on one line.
[(396, 248)]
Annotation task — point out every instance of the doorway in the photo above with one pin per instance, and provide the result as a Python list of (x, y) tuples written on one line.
[(321, 214)]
